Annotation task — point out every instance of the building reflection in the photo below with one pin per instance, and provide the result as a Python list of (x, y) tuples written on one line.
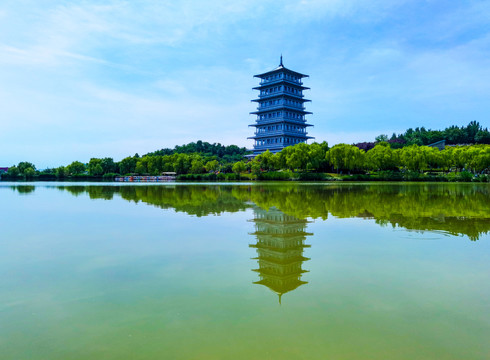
[(280, 245)]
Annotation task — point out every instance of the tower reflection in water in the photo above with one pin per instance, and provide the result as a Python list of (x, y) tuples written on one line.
[(280, 245)]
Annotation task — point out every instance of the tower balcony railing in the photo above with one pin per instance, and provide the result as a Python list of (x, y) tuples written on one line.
[(270, 133), (279, 106), (280, 119), (276, 145)]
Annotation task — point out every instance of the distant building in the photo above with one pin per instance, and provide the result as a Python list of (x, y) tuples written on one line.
[(441, 145), (281, 115), (3, 170)]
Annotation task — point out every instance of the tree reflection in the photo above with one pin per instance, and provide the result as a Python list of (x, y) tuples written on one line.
[(280, 245), (24, 189), (457, 209)]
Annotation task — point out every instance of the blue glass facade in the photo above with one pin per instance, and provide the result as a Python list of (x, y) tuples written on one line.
[(281, 115)]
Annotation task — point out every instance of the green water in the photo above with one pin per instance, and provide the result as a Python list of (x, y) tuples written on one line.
[(245, 271)]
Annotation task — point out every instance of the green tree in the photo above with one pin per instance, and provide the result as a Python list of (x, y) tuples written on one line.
[(316, 156), (197, 166), (298, 157), (212, 166), (471, 130), (142, 166), (279, 159), (128, 165), (108, 165), (167, 163), (154, 164), (29, 172), (94, 167), (413, 158), (478, 158), (75, 168), (346, 157), (266, 160), (255, 167), (482, 137), (381, 157), (13, 171), (98, 170), (23, 165), (60, 172), (239, 167), (335, 156), (181, 163)]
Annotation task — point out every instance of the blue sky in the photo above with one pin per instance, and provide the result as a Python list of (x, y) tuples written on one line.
[(82, 79)]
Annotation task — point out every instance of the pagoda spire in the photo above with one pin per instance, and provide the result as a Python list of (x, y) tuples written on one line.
[(280, 64)]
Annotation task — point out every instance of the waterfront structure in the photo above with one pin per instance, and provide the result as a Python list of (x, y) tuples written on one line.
[(441, 145), (280, 245), (281, 115)]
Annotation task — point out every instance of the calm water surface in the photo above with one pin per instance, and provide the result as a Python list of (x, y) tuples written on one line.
[(274, 271)]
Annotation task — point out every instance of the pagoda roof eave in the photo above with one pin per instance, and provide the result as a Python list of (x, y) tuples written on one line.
[(279, 223), (280, 121), (261, 246), (285, 235), (280, 69), (273, 275), (270, 147), (277, 289), (279, 261), (265, 136), (281, 96), (280, 81)]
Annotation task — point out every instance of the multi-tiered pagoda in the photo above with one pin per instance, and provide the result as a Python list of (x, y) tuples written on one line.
[(281, 112), (280, 245)]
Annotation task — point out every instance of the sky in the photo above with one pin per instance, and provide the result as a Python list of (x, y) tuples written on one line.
[(83, 79)]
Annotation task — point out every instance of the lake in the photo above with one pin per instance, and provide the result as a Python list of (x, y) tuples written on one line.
[(244, 271)]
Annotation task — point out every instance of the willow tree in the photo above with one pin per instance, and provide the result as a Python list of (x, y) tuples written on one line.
[(346, 157)]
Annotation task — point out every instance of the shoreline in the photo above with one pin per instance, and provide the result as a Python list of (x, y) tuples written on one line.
[(464, 177)]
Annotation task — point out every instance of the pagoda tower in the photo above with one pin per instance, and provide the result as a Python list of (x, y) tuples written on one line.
[(281, 115), (280, 245)]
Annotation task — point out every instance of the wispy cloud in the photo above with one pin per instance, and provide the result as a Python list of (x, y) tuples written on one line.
[(42, 55)]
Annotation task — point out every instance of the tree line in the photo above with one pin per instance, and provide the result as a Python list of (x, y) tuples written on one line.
[(403, 152), (230, 153), (473, 133), (351, 159), (196, 157), (313, 158)]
